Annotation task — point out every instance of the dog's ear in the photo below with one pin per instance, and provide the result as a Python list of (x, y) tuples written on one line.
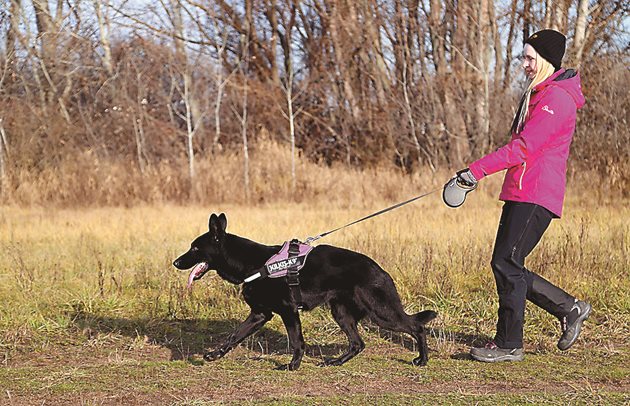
[(216, 225), (212, 221), (223, 221)]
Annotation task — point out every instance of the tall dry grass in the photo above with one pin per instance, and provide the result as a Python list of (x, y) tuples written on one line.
[(89, 181)]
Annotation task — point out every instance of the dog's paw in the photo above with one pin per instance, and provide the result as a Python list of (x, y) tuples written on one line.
[(288, 367), (331, 362), (419, 361), (285, 367), (213, 355)]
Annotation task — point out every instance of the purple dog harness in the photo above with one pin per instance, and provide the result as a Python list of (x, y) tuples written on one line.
[(286, 263)]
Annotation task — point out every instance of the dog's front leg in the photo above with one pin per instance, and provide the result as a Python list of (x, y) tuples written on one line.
[(291, 320), (253, 323)]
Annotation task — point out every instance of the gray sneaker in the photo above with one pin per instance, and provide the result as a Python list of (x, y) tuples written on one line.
[(572, 324), (492, 353)]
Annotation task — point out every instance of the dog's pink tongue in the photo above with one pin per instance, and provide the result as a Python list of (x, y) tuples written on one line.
[(198, 268)]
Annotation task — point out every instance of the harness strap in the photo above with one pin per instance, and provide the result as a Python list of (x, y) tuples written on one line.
[(293, 275)]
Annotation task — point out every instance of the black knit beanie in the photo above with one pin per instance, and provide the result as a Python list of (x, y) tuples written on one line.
[(550, 44)]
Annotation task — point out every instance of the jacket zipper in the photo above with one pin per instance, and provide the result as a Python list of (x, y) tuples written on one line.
[(520, 181)]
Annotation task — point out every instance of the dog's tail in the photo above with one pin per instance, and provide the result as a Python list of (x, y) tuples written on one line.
[(425, 316)]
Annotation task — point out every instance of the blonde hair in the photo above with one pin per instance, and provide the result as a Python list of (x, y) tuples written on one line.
[(544, 69)]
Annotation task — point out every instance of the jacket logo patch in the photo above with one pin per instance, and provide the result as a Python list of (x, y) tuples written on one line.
[(547, 109)]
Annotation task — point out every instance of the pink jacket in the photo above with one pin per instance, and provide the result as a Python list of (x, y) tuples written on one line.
[(536, 158)]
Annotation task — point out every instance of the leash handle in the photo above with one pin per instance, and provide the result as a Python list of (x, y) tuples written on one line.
[(397, 205)]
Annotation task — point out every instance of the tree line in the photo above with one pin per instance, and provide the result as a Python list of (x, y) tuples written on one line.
[(413, 83)]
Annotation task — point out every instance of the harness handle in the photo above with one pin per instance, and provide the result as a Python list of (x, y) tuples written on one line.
[(309, 240)]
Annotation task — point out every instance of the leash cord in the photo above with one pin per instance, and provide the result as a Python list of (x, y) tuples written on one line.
[(397, 205)]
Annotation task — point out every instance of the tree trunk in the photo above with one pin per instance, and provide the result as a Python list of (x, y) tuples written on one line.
[(273, 42), (507, 76), (527, 18), (45, 28), (12, 31), (245, 141), (221, 82), (342, 63), (182, 57), (577, 47), (3, 154), (437, 36), (482, 88), (559, 16), (379, 67), (243, 69), (104, 30), (291, 117), (548, 14), (46, 52), (498, 47)]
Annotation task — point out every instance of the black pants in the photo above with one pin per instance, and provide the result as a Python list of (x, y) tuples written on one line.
[(520, 228)]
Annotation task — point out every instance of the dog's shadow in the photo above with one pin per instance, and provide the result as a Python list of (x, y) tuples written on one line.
[(190, 338)]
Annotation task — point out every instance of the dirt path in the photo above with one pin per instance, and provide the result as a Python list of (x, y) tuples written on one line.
[(115, 372)]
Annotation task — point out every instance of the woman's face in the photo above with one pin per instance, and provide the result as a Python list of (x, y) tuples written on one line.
[(529, 61)]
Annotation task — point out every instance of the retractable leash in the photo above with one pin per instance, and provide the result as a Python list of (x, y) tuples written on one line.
[(309, 240), (455, 191), (292, 256)]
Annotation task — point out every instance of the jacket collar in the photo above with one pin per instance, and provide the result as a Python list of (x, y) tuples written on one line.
[(547, 81)]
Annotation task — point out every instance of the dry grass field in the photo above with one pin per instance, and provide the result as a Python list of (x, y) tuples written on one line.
[(92, 312)]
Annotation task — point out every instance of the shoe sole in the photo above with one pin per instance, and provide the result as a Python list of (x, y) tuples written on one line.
[(578, 328), (502, 358)]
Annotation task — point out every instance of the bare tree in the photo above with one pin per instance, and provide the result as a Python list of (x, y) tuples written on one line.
[(527, 18), (101, 7), (242, 116), (510, 44), (548, 14), (3, 155), (577, 46), (559, 13), (221, 82), (286, 41), (342, 62), (192, 115)]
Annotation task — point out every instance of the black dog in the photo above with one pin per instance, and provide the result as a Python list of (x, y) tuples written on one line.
[(352, 284)]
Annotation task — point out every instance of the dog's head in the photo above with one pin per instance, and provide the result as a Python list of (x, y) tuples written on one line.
[(205, 251)]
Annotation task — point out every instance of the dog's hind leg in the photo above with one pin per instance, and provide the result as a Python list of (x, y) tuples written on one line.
[(386, 310), (421, 335), (404, 323), (291, 320), (347, 320), (253, 323)]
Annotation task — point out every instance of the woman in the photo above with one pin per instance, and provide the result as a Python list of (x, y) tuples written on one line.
[(533, 191)]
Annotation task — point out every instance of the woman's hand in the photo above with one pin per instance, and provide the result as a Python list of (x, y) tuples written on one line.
[(466, 178)]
